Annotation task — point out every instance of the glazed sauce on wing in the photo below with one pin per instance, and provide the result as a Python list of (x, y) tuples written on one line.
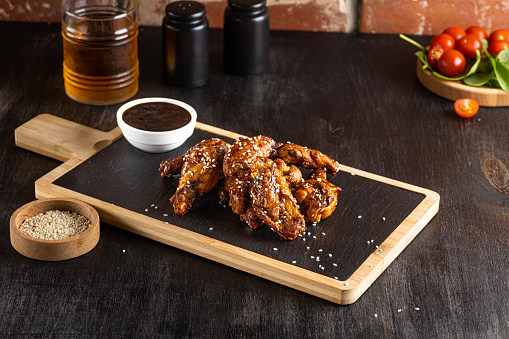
[(156, 116)]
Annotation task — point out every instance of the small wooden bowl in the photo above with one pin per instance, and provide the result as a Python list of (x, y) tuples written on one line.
[(54, 250)]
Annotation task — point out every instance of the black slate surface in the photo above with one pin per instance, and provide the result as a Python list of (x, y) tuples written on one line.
[(367, 212)]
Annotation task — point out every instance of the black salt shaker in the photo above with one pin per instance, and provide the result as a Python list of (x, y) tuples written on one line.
[(185, 44), (246, 37)]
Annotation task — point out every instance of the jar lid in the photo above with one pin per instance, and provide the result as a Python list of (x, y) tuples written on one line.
[(247, 5), (185, 10)]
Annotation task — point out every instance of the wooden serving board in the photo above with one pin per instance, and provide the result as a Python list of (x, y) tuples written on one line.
[(337, 259), (454, 90)]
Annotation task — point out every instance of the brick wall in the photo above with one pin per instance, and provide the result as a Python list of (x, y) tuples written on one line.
[(371, 16)]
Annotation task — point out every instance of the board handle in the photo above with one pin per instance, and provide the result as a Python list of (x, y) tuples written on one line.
[(62, 139)]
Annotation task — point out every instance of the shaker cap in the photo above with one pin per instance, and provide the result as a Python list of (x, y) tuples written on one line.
[(247, 5), (185, 10)]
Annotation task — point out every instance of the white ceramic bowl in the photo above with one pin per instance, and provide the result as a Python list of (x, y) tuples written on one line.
[(156, 142)]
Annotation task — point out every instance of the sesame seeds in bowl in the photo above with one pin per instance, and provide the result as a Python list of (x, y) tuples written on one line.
[(54, 229)]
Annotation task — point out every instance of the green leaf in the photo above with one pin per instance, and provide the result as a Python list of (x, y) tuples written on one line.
[(478, 79), (503, 56), (502, 73), (423, 56), (485, 66)]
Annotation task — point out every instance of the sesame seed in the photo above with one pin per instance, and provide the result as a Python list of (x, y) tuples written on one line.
[(376, 315), (54, 225), (417, 308)]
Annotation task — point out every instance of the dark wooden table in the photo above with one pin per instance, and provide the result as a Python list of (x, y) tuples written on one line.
[(353, 96)]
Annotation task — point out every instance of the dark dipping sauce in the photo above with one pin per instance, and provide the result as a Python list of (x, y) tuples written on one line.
[(156, 116)]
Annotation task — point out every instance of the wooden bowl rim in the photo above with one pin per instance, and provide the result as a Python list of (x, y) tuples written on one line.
[(486, 96), (95, 220)]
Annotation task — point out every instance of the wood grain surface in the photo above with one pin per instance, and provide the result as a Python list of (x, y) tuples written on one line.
[(353, 96)]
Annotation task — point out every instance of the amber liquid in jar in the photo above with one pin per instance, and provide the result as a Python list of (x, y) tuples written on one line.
[(100, 55)]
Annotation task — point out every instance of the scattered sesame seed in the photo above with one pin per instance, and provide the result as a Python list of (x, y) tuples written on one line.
[(376, 315), (336, 278), (399, 310), (360, 216), (165, 214), (294, 262), (210, 229), (123, 251), (146, 209), (383, 218), (275, 248), (346, 283), (417, 308), (323, 233), (320, 250), (334, 264), (330, 255), (368, 241), (314, 236)]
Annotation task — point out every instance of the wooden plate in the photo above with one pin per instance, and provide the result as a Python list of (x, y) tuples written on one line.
[(54, 250), (454, 90)]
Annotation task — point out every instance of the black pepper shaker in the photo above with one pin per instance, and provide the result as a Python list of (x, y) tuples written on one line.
[(185, 44), (246, 37)]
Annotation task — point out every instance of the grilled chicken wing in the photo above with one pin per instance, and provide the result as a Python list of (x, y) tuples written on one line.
[(260, 181), (317, 197), (306, 157), (200, 172), (272, 202), (258, 189)]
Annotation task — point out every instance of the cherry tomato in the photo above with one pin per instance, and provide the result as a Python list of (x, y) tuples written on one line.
[(468, 45), (476, 30), (499, 34), (456, 32), (497, 46), (451, 63), (434, 54), (443, 40), (466, 108)]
